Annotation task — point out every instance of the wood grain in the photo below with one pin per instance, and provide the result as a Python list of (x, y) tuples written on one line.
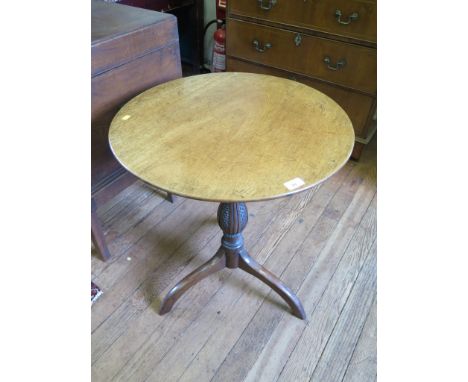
[(234, 314), (129, 322), (301, 36), (340, 346), (236, 350), (193, 138), (131, 50), (358, 106), (147, 32), (209, 321), (363, 365), (307, 349), (126, 276), (322, 250), (121, 216), (231, 326)]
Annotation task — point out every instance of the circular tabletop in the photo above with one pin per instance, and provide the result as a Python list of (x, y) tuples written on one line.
[(232, 137)]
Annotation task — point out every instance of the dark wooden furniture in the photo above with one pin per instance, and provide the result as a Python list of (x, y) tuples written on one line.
[(330, 45), (266, 138), (131, 50), (189, 15)]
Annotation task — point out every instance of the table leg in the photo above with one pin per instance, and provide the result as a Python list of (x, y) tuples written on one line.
[(232, 218), (170, 197), (97, 235), (216, 263), (249, 265)]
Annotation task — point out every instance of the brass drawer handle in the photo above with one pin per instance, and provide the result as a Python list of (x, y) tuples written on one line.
[(353, 17), (339, 64), (270, 5), (257, 47)]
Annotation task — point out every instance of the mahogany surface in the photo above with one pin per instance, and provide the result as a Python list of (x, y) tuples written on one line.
[(131, 50)]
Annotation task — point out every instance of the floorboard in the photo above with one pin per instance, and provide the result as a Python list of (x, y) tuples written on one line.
[(230, 326), (363, 365)]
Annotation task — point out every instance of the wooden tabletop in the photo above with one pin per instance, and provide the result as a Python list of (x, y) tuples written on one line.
[(232, 137)]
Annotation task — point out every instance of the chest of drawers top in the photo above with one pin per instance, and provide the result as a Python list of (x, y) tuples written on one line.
[(350, 19)]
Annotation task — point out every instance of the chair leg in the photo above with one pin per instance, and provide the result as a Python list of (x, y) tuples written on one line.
[(97, 235), (170, 197)]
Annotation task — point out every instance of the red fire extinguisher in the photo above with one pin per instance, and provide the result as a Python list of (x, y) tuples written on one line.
[(219, 49)]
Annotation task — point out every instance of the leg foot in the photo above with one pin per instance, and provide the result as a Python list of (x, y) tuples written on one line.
[(170, 197), (249, 265), (97, 236), (216, 263)]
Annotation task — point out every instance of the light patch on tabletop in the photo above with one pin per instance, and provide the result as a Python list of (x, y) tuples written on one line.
[(125, 117), (294, 183)]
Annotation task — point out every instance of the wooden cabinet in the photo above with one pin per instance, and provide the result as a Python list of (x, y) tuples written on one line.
[(132, 50), (327, 44)]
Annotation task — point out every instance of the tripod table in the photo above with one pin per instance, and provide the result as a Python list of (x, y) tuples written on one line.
[(232, 138)]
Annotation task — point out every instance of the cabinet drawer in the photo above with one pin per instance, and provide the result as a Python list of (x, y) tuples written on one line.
[(349, 18), (337, 62), (357, 106)]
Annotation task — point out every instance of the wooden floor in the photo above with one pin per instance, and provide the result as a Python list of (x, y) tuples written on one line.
[(231, 327)]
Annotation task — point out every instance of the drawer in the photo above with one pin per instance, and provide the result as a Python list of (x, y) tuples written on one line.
[(348, 18), (346, 64), (357, 106)]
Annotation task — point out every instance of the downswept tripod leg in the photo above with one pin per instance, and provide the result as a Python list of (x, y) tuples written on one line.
[(232, 218), (249, 265), (216, 263)]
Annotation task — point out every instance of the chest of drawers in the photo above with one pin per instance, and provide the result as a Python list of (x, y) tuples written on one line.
[(327, 44)]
